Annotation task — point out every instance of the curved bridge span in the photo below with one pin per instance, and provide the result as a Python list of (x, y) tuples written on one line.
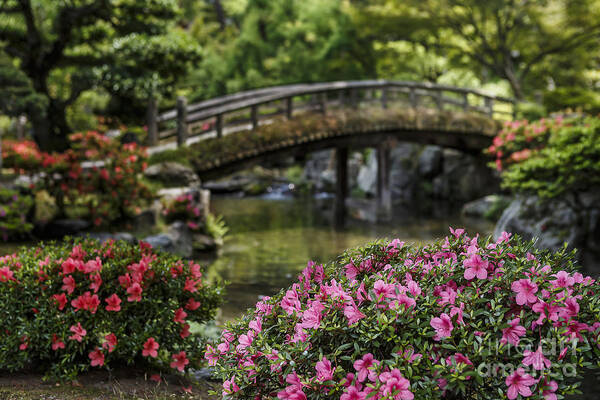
[(229, 133)]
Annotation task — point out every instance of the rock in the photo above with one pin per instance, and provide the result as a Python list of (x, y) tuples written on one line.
[(367, 175), (181, 236), (172, 174), (204, 242), (207, 374), (105, 236), (482, 208), (145, 220), (161, 241), (320, 170), (553, 223), (430, 161), (463, 178), (178, 240), (235, 184), (63, 227)]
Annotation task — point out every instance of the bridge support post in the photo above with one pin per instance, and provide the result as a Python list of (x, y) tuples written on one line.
[(341, 186), (254, 117), (289, 107), (384, 96), (182, 126), (384, 192), (152, 122), (219, 125)]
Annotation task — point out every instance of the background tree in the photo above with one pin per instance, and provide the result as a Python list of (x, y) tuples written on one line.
[(66, 47), (520, 41)]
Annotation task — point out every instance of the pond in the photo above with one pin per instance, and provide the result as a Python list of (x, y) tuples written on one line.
[(271, 240)]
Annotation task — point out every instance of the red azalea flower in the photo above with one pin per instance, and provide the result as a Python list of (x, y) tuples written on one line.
[(185, 332), (179, 361), (114, 303), (190, 285), (156, 378), (61, 300), (180, 316), (110, 342), (192, 304), (135, 292), (97, 358), (69, 284), (57, 343), (6, 274), (96, 282), (86, 302), (78, 332), (150, 348)]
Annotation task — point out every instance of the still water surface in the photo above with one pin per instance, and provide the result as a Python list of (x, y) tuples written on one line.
[(270, 241)]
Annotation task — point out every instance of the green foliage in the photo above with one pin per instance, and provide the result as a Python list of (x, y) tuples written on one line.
[(372, 322), (574, 98), (278, 42), (568, 162), (216, 227), (131, 48), (14, 210), (46, 292)]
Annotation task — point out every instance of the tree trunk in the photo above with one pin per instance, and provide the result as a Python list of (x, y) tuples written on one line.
[(514, 81)]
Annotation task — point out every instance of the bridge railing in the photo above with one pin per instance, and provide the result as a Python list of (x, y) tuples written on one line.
[(247, 110)]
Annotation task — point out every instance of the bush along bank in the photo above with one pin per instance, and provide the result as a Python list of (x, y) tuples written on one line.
[(553, 167), (67, 308), (464, 318)]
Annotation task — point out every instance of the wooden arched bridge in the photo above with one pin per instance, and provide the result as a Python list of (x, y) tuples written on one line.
[(225, 134)]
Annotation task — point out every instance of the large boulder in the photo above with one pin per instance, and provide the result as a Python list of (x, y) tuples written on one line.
[(574, 220), (463, 178), (178, 240), (172, 174)]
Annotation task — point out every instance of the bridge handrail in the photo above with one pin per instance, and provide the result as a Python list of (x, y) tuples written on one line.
[(252, 99), (218, 101)]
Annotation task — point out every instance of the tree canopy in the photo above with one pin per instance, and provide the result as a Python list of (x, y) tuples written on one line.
[(66, 47)]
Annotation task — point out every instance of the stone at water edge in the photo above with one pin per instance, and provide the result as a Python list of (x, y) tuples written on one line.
[(172, 174)]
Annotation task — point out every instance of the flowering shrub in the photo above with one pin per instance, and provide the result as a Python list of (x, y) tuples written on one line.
[(517, 139), (26, 157), (67, 308), (14, 208), (465, 318), (549, 157), (185, 208), (97, 175)]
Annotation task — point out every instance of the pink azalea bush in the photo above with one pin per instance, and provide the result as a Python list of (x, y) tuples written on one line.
[(66, 308), (467, 318)]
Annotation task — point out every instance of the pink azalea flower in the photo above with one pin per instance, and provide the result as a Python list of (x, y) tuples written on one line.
[(230, 387), (519, 383), (97, 358), (396, 385), (475, 267), (324, 370), (536, 358), (549, 392), (363, 367), (352, 393), (525, 290), (78, 332), (513, 333), (443, 326), (311, 318), (353, 314), (563, 280)]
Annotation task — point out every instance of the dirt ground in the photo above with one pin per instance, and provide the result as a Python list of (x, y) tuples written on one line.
[(98, 385)]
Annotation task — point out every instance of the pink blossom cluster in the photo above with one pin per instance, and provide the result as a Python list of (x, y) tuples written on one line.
[(399, 322)]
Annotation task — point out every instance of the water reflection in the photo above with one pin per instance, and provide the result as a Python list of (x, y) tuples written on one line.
[(271, 241)]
